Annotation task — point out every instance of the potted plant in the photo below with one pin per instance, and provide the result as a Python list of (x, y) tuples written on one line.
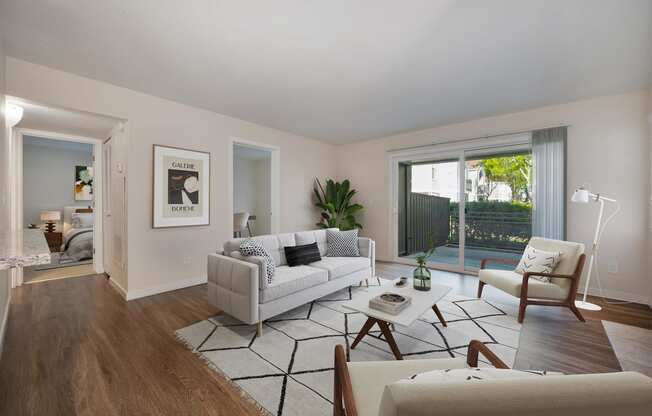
[(335, 202), (421, 275)]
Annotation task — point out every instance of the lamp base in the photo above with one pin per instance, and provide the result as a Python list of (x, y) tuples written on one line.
[(587, 306)]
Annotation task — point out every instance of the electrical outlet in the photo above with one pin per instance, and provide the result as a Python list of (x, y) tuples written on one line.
[(612, 266)]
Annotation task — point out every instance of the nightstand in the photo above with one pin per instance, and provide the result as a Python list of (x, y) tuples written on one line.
[(54, 239)]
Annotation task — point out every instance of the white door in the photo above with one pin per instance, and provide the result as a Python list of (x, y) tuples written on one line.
[(107, 224)]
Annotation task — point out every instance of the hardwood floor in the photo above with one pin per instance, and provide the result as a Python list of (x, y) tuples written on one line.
[(75, 347)]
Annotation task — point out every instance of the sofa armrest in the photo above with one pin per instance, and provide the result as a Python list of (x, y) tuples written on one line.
[(367, 248), (260, 261), (233, 287)]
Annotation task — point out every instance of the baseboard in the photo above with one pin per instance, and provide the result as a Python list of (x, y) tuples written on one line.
[(168, 287), (619, 295), (3, 325), (121, 290)]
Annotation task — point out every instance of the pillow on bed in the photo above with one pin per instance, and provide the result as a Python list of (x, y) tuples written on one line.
[(82, 220)]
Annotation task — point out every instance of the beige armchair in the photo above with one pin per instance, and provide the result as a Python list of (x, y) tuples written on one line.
[(560, 291), (370, 388)]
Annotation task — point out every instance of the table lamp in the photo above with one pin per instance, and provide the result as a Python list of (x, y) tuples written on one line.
[(50, 218)]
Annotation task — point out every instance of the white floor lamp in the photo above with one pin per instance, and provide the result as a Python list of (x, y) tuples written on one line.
[(584, 196)]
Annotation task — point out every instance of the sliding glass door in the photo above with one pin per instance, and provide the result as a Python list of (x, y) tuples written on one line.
[(498, 207), (470, 204), (428, 199)]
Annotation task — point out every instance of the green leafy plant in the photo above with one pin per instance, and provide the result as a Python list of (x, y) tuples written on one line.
[(422, 259), (335, 202)]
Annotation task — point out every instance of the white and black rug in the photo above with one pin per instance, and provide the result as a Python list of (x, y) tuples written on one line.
[(289, 370)]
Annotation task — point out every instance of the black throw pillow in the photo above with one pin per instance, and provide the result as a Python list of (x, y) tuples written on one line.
[(300, 255)]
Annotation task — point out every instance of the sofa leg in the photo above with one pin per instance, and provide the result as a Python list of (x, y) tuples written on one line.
[(259, 331), (480, 287)]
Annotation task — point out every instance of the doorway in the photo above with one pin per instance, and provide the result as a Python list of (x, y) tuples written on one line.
[(255, 188), (57, 188)]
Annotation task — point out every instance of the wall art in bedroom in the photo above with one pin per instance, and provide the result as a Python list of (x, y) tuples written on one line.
[(181, 187), (83, 183)]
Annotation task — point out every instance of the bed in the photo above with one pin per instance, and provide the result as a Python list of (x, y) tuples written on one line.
[(77, 233)]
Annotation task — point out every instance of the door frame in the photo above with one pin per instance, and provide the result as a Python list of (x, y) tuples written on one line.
[(456, 150), (275, 189), (16, 211)]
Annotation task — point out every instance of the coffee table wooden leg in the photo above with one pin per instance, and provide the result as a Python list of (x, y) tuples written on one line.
[(384, 328), (364, 331), (439, 315)]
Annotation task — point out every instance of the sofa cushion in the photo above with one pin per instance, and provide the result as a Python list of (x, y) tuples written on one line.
[(369, 379), (314, 236), (341, 266), (288, 280), (511, 282), (285, 240), (253, 248)]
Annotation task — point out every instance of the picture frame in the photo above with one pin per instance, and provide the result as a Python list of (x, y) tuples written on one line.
[(83, 187), (181, 187)]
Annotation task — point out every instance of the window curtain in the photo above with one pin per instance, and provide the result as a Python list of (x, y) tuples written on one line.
[(549, 183)]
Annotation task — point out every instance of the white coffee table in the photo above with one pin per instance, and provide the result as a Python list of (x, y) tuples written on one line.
[(421, 302)]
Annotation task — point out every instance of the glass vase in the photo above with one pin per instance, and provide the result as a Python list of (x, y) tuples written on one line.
[(421, 278)]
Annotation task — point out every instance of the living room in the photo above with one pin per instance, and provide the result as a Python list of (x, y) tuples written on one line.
[(537, 82)]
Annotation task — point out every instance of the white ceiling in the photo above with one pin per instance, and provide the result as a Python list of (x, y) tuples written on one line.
[(342, 70), (57, 120)]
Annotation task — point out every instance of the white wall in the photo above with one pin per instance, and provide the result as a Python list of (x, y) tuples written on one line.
[(162, 259), (608, 147), (49, 175), (251, 185)]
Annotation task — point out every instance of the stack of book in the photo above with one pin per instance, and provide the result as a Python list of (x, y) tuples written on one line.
[(389, 302)]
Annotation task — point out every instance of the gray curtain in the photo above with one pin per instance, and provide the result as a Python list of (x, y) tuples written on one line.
[(549, 183)]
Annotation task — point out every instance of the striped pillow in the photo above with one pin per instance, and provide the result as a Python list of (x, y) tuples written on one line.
[(304, 254)]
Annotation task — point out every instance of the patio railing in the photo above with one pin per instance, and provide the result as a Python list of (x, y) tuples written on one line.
[(495, 230)]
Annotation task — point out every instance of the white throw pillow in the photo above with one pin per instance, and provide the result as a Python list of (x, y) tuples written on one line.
[(81, 220), (472, 374), (538, 261)]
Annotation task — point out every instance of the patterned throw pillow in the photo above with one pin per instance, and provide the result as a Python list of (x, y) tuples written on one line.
[(342, 243), (539, 261), (472, 374), (251, 247)]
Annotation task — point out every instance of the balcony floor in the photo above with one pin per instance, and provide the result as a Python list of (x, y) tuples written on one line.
[(450, 255)]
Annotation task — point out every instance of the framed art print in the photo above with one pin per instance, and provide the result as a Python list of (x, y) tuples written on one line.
[(83, 183), (181, 187)]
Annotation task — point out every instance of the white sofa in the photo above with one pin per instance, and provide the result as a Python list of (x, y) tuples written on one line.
[(238, 286)]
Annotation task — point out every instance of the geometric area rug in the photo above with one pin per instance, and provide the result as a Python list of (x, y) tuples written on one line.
[(289, 370)]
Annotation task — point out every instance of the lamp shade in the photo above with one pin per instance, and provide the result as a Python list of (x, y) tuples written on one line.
[(50, 215), (581, 195)]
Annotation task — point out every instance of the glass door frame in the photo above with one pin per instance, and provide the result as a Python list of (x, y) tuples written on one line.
[(447, 151)]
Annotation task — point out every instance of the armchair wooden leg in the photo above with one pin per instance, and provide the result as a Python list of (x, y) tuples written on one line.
[(576, 311), (480, 287), (521, 310)]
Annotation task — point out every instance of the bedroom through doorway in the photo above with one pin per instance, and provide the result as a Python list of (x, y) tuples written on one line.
[(58, 188)]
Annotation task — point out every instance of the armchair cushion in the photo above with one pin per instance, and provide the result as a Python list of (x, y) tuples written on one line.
[(570, 254), (451, 375), (369, 379), (511, 282), (539, 261)]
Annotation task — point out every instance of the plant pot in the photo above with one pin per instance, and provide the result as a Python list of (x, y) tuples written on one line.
[(421, 278)]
